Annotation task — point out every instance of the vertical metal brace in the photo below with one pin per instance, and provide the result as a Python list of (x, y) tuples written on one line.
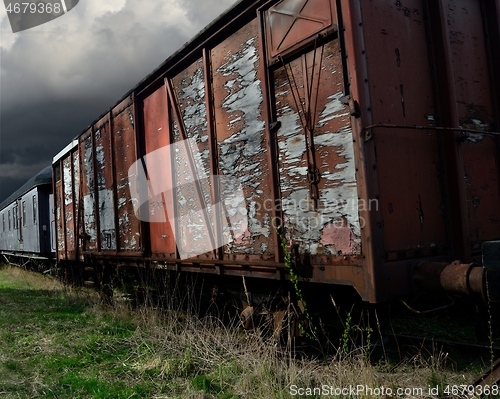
[(272, 153), (171, 141), (212, 140), (138, 125)]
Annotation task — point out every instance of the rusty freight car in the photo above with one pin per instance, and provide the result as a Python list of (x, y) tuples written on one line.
[(363, 132)]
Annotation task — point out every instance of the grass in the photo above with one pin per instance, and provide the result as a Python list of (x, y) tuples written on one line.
[(62, 342)]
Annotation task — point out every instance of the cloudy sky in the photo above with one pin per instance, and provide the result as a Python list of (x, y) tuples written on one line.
[(58, 77)]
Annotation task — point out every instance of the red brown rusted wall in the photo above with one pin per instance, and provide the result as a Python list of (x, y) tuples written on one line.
[(407, 161), (157, 135), (475, 110), (104, 185), (124, 144), (69, 207), (86, 148), (241, 141), (194, 210), (58, 198), (77, 209), (330, 224)]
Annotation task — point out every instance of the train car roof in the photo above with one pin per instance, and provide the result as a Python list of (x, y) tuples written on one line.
[(41, 178)]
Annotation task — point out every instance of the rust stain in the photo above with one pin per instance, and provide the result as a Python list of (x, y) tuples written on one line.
[(339, 238)]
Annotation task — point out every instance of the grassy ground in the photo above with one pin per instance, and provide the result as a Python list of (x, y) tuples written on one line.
[(59, 342)]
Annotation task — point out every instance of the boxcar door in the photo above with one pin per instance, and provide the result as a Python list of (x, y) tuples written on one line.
[(315, 143)]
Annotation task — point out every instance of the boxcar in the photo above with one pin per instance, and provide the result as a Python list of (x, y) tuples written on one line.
[(359, 138), (26, 219)]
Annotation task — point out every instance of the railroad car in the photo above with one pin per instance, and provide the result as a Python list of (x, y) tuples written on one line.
[(358, 139), (27, 220)]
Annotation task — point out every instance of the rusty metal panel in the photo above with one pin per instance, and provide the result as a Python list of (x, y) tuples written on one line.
[(194, 211), (77, 204), (125, 156), (104, 186), (398, 62), (482, 182), (411, 202), (408, 161), (156, 136), (474, 102), (241, 140), (317, 171), (59, 208), (470, 64), (88, 192), (67, 175), (291, 22)]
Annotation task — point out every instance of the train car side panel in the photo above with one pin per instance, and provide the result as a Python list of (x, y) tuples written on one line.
[(104, 185), (475, 111), (125, 155), (238, 104), (59, 217), (316, 156), (158, 169), (191, 166), (408, 161), (86, 146), (69, 206)]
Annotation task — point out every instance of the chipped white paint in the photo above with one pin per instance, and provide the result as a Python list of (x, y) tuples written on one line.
[(76, 179), (341, 143), (334, 109), (242, 154), (194, 114), (106, 210), (333, 227), (89, 217), (68, 189), (88, 200), (107, 220)]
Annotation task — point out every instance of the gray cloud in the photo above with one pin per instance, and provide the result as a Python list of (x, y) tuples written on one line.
[(58, 77)]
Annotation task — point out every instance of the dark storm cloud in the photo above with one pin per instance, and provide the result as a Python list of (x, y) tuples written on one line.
[(59, 77)]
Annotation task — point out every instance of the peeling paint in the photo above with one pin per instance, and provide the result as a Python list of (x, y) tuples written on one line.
[(89, 217), (68, 189), (241, 141), (107, 220), (333, 227), (105, 197), (88, 199), (125, 156)]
